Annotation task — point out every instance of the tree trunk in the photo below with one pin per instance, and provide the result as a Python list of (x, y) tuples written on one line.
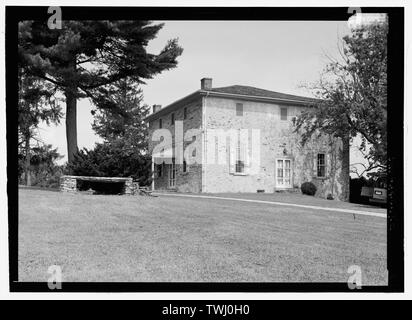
[(71, 125), (27, 164), (345, 172)]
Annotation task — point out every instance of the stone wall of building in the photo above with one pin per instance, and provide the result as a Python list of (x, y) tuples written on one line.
[(277, 142), (191, 180)]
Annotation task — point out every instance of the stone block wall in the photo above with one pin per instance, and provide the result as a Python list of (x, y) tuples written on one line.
[(69, 183), (277, 141), (190, 181)]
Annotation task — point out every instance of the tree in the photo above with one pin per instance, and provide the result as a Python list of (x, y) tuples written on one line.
[(124, 152), (43, 165), (127, 120), (85, 57), (114, 159), (36, 104), (353, 95)]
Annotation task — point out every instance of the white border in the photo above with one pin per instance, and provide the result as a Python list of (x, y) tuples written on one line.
[(4, 290)]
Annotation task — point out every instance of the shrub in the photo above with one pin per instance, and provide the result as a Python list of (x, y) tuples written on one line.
[(308, 188), (112, 160)]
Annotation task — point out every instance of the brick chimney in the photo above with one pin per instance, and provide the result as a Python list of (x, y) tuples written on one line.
[(206, 84), (156, 107)]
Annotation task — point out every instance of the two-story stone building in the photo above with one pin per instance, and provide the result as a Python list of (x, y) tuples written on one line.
[(241, 139)]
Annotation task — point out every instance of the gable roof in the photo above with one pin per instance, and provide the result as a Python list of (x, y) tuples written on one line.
[(236, 92)]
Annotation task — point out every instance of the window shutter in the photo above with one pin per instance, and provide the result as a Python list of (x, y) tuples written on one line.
[(315, 164), (245, 156), (232, 158)]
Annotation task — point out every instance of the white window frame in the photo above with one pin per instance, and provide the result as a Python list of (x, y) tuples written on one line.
[(324, 164), (284, 185)]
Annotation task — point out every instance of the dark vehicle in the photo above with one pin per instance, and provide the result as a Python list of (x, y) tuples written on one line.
[(375, 195)]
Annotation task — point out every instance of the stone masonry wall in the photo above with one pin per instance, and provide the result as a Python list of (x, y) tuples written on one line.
[(277, 141), (69, 183), (190, 181)]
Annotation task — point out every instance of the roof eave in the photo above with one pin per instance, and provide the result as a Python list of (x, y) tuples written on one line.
[(175, 105), (260, 98)]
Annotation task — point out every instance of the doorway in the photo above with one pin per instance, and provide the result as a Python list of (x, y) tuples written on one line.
[(283, 173)]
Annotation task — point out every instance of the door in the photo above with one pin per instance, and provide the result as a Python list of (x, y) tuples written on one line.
[(283, 173), (172, 175)]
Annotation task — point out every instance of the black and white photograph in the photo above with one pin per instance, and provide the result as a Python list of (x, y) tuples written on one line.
[(204, 149)]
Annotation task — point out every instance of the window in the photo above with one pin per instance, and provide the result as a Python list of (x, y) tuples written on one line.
[(185, 113), (172, 119), (160, 124), (159, 170), (283, 113), (240, 164), (321, 165), (283, 173), (172, 174), (184, 166), (239, 109)]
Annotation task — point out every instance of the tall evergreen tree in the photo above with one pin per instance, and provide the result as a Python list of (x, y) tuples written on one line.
[(123, 152), (126, 121), (85, 57)]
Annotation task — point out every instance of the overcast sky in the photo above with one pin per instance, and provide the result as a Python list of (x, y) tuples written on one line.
[(279, 56)]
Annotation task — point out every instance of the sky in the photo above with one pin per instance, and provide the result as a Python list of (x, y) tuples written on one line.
[(281, 56)]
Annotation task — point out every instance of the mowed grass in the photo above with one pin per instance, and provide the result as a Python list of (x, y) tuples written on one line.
[(156, 239)]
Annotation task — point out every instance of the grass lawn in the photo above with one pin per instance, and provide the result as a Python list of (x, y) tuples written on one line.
[(133, 238)]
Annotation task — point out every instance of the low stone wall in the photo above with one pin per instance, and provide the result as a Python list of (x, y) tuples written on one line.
[(69, 183)]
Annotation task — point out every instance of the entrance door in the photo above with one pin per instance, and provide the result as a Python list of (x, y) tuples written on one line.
[(172, 175), (283, 173)]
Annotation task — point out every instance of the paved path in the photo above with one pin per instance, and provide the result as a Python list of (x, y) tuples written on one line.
[(358, 212)]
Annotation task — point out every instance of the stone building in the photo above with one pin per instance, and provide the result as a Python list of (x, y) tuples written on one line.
[(241, 139)]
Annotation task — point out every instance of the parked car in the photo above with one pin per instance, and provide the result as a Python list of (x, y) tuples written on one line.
[(375, 195)]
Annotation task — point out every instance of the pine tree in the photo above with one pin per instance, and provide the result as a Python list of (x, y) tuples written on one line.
[(124, 151), (85, 57), (126, 120)]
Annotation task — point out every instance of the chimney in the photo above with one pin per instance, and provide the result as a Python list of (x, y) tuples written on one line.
[(156, 107), (206, 84)]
